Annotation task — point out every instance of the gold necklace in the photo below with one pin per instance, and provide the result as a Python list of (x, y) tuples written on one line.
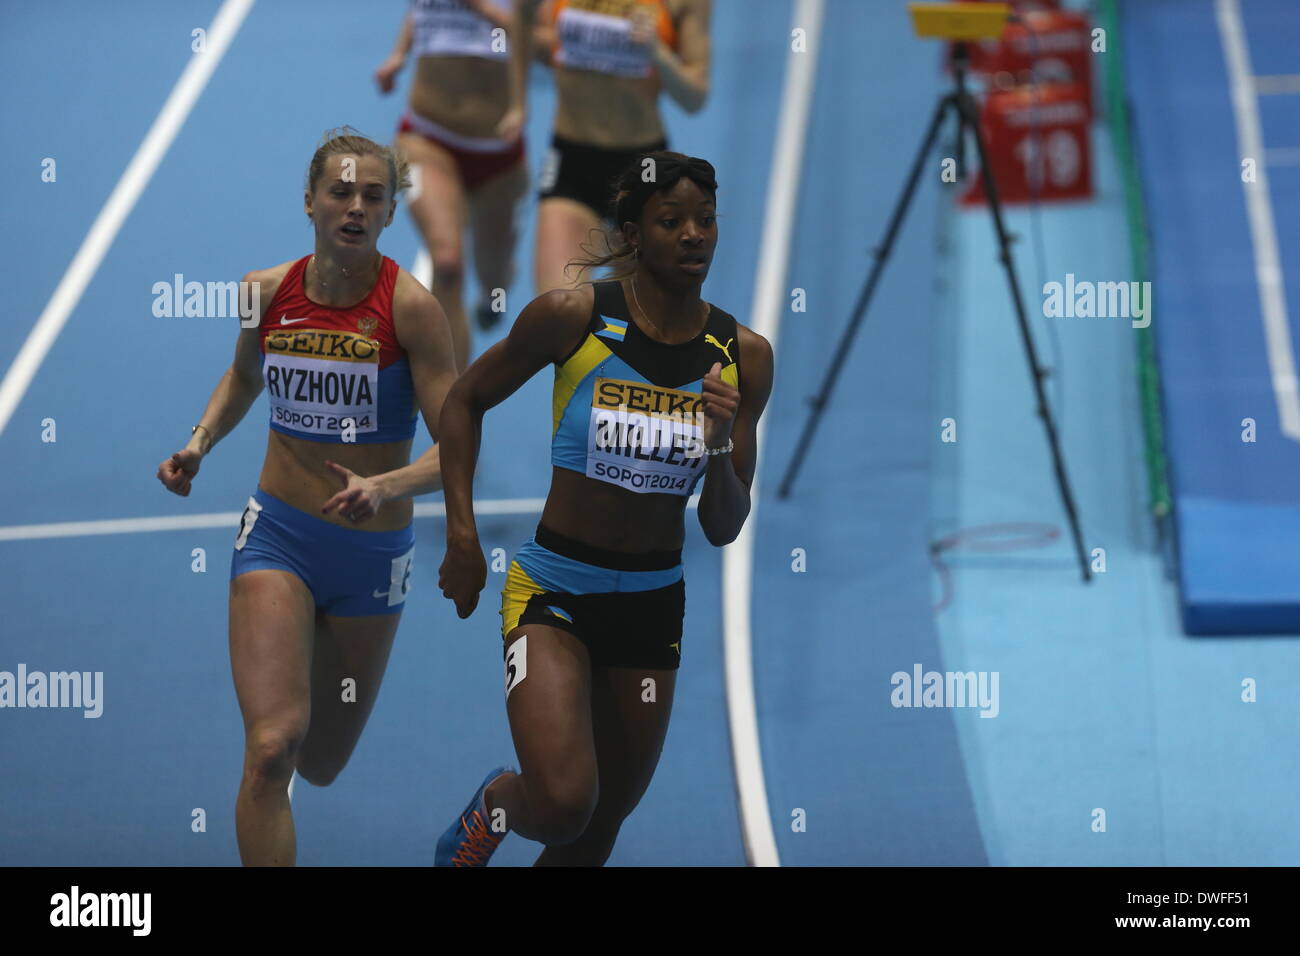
[(320, 276), (637, 299)]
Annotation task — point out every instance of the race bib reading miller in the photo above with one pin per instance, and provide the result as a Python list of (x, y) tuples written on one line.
[(317, 379), (645, 438)]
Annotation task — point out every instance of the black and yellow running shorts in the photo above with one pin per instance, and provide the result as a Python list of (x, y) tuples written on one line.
[(626, 608), (583, 173)]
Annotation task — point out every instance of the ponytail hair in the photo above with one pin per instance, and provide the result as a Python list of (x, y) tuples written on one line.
[(648, 174)]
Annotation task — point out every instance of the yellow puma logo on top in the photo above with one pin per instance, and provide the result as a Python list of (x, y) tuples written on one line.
[(712, 340), (678, 647)]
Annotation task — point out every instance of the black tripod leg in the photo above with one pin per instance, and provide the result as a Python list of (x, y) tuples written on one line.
[(966, 107), (864, 297)]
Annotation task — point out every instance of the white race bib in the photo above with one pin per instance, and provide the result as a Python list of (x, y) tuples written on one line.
[(451, 28), (317, 378), (246, 522), (645, 438), (399, 578), (599, 42), (516, 663)]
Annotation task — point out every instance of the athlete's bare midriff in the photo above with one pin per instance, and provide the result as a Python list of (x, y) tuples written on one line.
[(465, 94), (605, 516), (295, 472), (612, 112)]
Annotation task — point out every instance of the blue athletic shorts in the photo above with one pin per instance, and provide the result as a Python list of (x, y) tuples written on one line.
[(350, 573)]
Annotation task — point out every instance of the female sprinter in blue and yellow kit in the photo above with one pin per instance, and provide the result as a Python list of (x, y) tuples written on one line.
[(349, 346), (654, 390)]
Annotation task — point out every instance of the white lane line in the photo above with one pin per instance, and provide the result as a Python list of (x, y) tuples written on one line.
[(77, 529), (220, 519), (1278, 83), (230, 519), (119, 205), (738, 557), (423, 268), (1259, 213)]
